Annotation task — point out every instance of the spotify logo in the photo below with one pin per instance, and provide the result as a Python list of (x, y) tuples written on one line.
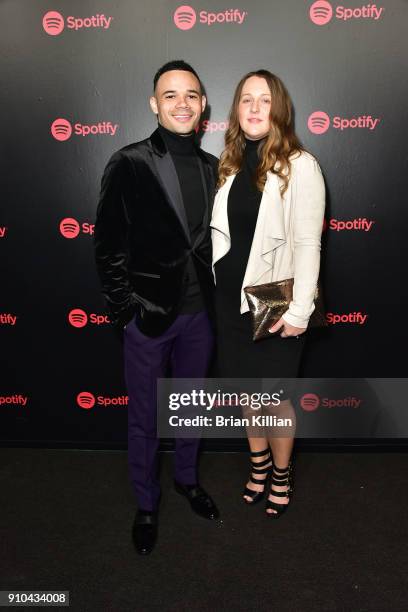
[(53, 23), (321, 12), (310, 402), (318, 122), (61, 129), (69, 228), (185, 17), (78, 318), (85, 400)]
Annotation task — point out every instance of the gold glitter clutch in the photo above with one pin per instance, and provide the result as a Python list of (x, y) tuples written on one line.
[(268, 302)]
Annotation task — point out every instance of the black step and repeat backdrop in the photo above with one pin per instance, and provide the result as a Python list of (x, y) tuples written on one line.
[(76, 78)]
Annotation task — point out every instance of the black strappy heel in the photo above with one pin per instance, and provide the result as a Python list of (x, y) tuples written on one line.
[(258, 468), (281, 477)]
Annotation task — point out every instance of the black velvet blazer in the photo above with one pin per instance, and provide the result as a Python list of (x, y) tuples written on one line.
[(142, 241)]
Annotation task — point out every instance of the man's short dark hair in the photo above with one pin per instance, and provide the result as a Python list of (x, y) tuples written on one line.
[(175, 65)]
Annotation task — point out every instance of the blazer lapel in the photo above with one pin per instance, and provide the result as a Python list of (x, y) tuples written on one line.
[(270, 227), (168, 178), (271, 216), (208, 185), (221, 238), (208, 179)]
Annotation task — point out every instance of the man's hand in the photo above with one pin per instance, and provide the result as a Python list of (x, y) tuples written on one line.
[(288, 330)]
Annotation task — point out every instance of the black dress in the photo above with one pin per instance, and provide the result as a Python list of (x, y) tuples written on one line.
[(238, 356)]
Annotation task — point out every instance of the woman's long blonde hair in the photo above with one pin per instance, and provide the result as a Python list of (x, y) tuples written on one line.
[(280, 143)]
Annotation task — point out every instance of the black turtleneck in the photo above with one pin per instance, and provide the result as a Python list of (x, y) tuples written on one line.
[(182, 144), (184, 155), (243, 206)]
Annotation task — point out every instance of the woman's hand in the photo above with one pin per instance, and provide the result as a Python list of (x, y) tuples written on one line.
[(288, 330)]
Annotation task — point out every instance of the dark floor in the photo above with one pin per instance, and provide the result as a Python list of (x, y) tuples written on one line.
[(342, 546)]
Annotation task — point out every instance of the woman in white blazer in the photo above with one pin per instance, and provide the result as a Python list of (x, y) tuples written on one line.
[(266, 226)]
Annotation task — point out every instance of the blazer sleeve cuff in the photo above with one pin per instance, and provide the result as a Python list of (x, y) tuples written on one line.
[(123, 317)]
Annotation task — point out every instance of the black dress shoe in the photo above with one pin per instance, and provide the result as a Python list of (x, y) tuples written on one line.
[(144, 532), (200, 501)]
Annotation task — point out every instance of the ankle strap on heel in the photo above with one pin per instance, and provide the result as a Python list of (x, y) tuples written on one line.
[(261, 453), (260, 467), (281, 470), (281, 478), (259, 464)]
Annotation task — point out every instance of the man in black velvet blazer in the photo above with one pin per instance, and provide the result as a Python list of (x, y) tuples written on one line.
[(153, 254)]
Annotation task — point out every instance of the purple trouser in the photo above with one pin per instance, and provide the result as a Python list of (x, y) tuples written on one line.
[(186, 349)]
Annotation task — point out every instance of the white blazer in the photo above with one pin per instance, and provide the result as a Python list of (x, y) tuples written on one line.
[(286, 242)]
